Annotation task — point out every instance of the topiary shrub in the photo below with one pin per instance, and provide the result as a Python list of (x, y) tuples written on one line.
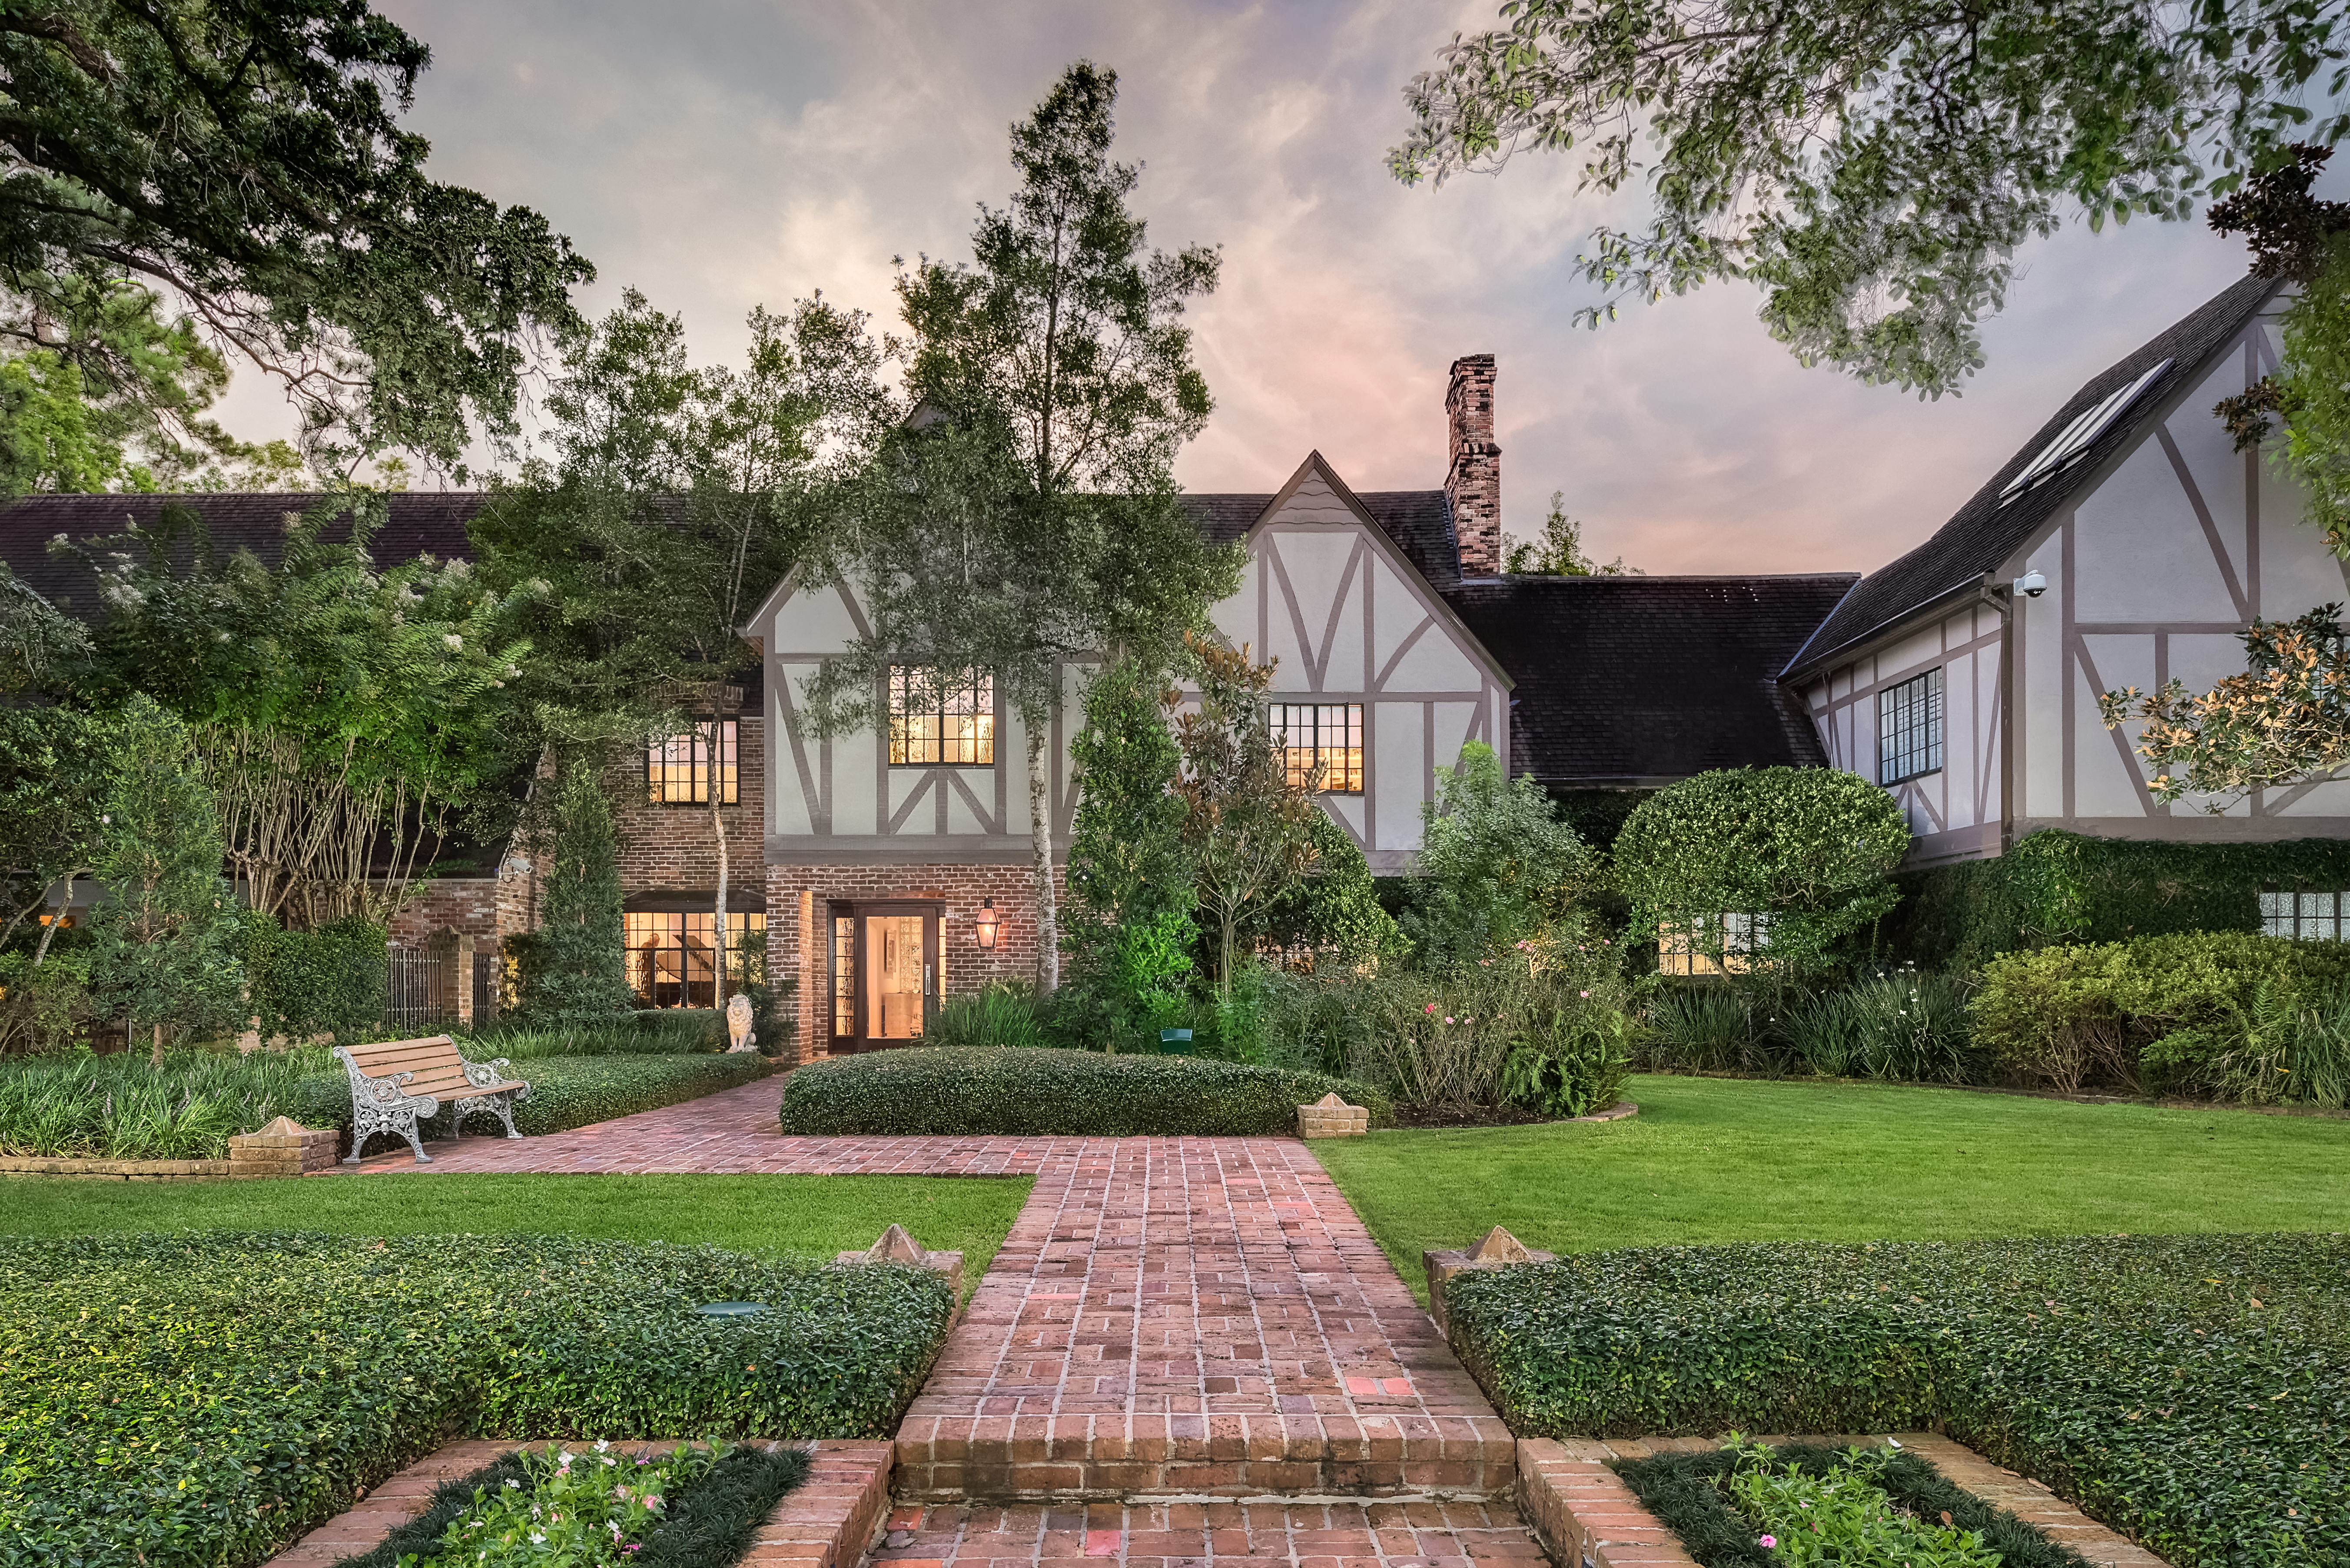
[(2186, 1390), (1804, 854), (199, 1400), (1078, 1094)]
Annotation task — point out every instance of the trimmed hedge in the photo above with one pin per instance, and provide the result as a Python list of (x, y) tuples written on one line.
[(566, 1092), (1075, 1093), (2193, 1391), (198, 1401)]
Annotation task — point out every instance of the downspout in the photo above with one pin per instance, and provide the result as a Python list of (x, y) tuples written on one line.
[(2000, 598)]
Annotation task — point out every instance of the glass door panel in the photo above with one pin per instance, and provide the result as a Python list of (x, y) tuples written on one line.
[(897, 977)]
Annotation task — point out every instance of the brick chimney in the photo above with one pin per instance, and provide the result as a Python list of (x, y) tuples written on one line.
[(1473, 483)]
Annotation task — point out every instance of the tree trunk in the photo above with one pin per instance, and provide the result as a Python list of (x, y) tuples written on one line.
[(156, 1060), (1040, 831), (718, 931), (50, 930)]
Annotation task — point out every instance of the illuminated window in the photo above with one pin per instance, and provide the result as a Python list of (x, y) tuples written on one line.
[(670, 961), (936, 718), (1910, 729), (2309, 916), (678, 770), (1721, 944), (844, 976), (1329, 734)]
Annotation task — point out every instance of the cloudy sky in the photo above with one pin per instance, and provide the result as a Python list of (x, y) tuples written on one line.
[(719, 154)]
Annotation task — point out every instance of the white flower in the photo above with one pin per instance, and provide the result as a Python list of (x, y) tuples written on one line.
[(453, 640), (603, 1444), (536, 1539), (514, 1484)]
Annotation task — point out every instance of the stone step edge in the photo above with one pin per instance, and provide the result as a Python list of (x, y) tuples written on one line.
[(943, 1459), (831, 1519)]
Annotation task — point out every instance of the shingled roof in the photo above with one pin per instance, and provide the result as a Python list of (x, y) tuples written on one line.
[(418, 522), (1627, 680), (433, 523), (1983, 532)]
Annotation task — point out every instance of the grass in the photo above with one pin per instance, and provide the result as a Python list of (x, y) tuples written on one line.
[(757, 1214), (1709, 1161)]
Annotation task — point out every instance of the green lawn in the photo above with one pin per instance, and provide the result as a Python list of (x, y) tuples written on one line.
[(1717, 1160), (820, 1214)]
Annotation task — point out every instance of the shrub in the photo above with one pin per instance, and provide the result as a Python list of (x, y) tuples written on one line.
[(653, 1031), (1074, 1092), (196, 1401), (1708, 1028), (2201, 1013), (996, 1014), (572, 969), (334, 981), (120, 1108), (1909, 1025), (44, 1007), (1500, 865), (1445, 1039), (565, 1091), (2186, 1390), (1808, 850)]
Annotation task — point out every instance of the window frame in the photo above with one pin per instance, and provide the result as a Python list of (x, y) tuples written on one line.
[(1348, 719), (2309, 915), (704, 737), (1911, 727), (685, 940), (905, 681)]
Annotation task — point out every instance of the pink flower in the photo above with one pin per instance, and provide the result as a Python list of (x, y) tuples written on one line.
[(1447, 1018), (1586, 993), (1768, 1542), (1431, 1007)]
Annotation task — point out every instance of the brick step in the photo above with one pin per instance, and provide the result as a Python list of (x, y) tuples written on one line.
[(949, 1458)]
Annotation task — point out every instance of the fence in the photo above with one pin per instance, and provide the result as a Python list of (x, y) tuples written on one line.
[(418, 996)]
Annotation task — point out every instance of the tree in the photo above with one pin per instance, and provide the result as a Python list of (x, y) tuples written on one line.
[(1560, 552), (1248, 821), (2287, 717), (345, 717), (1873, 168), (1131, 933), (1803, 856), (1023, 521), (168, 933), (573, 966), (1500, 864), (243, 164), (674, 500), (1334, 909), (54, 763)]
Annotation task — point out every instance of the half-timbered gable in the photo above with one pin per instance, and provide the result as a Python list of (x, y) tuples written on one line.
[(1373, 672), (2127, 544)]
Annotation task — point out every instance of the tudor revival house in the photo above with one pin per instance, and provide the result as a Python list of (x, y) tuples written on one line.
[(2125, 544)]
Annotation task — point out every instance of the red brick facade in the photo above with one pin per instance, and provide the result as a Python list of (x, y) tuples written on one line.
[(964, 966), (671, 845), (487, 908)]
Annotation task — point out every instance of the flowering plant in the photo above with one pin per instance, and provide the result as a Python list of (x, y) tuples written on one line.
[(589, 1509), (1843, 1516)]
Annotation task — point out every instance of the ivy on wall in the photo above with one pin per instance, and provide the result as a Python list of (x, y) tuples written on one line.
[(2057, 887)]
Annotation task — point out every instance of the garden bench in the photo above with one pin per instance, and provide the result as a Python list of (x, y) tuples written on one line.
[(394, 1083)]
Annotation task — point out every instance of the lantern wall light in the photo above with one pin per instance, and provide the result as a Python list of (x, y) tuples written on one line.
[(987, 922)]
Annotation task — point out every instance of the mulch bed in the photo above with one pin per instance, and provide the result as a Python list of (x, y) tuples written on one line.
[(1477, 1116)]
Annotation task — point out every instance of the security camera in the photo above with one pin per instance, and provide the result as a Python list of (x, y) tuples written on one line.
[(2032, 585)]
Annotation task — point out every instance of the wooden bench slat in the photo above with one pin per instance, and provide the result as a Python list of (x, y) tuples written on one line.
[(434, 1042), (376, 1066)]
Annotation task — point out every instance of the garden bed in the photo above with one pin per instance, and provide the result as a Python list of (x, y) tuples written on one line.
[(1411, 1116), (1025, 1092), (665, 1505), (2185, 1389), (202, 1398)]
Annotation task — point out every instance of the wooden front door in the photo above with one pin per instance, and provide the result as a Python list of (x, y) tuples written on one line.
[(885, 973)]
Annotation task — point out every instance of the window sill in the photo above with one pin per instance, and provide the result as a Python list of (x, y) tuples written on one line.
[(1907, 778)]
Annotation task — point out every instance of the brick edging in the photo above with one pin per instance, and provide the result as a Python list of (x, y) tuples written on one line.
[(119, 1169), (829, 1520), (1586, 1517)]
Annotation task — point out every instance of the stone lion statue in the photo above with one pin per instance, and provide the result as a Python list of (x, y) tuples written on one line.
[(738, 1024)]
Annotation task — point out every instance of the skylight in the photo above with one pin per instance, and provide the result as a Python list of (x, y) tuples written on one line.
[(2075, 438)]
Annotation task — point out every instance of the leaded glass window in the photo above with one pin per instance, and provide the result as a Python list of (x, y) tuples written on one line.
[(1910, 729), (1328, 733), (942, 716)]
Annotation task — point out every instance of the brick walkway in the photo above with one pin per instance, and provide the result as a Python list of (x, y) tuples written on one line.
[(1171, 1316), (1183, 1535)]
